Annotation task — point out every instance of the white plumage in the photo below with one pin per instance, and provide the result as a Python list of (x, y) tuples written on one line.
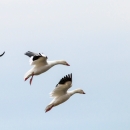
[(40, 64), (60, 93)]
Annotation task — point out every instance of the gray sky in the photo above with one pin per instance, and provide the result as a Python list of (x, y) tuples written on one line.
[(93, 37)]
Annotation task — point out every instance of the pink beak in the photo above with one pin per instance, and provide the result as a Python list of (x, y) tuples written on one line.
[(67, 64)]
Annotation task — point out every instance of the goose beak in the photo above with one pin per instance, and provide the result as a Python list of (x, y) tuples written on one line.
[(67, 64), (84, 93)]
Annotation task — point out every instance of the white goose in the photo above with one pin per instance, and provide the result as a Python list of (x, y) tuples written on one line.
[(40, 64), (60, 93), (2, 54)]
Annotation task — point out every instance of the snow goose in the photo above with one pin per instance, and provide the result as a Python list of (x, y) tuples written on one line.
[(60, 93), (40, 64), (2, 54)]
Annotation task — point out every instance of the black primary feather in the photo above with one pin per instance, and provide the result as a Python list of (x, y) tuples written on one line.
[(2, 54), (65, 79), (35, 55), (29, 53)]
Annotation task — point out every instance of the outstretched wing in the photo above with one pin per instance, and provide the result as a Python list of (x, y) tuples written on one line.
[(61, 88), (36, 58), (2, 54), (65, 79), (29, 53)]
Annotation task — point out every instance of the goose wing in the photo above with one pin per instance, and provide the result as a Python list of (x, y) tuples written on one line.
[(36, 59), (61, 88)]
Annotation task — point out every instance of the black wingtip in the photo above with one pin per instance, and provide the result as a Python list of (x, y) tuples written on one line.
[(65, 79), (26, 52), (29, 53), (2, 54), (71, 75)]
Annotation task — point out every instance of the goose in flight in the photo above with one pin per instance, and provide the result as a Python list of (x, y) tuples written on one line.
[(60, 93), (40, 64), (2, 54)]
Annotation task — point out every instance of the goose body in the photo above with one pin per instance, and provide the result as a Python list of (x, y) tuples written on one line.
[(60, 93), (40, 64)]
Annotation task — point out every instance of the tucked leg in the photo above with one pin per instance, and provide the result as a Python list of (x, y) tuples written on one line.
[(49, 108), (26, 78), (31, 79)]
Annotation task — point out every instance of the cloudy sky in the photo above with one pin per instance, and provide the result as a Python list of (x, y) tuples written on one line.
[(93, 37)]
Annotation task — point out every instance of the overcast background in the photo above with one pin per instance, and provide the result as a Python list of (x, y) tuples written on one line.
[(93, 36)]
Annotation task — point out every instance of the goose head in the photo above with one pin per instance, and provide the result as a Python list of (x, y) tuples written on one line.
[(64, 63), (80, 91)]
